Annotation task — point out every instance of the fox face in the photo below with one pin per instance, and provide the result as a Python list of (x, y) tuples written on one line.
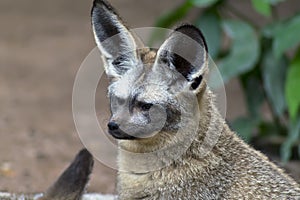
[(150, 90)]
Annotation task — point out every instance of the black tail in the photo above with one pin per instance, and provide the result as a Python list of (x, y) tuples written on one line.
[(72, 182)]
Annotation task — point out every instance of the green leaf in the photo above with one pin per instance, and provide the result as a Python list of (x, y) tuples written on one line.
[(244, 51), (173, 16), (274, 76), (262, 6), (254, 93), (271, 29), (292, 87), (210, 25), (274, 2), (244, 127), (203, 3), (168, 20), (269, 129), (287, 36), (293, 136)]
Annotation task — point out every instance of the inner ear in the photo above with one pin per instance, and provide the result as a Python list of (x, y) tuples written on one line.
[(116, 43), (111, 35), (186, 52)]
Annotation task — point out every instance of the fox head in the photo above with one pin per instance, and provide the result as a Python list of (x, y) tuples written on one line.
[(146, 84)]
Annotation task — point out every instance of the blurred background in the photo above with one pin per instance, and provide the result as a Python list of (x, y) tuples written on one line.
[(42, 44)]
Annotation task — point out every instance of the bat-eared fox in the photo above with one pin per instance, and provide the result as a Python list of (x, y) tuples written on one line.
[(147, 84), (173, 142)]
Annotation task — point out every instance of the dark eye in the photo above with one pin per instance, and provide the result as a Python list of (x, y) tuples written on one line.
[(146, 106), (121, 101)]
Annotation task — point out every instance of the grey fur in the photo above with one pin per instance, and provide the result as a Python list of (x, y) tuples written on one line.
[(231, 170)]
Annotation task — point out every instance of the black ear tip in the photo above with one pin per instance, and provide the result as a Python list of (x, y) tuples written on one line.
[(191, 30), (100, 4), (196, 82), (101, 9), (184, 26)]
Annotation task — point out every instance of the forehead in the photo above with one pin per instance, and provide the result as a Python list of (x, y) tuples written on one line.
[(138, 84), (125, 85), (142, 80), (146, 55)]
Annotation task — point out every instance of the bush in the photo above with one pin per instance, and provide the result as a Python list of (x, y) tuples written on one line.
[(264, 58)]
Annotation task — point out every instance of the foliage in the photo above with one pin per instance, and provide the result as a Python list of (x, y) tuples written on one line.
[(264, 58)]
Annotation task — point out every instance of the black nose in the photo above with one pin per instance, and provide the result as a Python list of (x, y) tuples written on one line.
[(113, 126)]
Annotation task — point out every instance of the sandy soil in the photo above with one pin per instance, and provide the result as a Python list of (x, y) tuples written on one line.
[(42, 44)]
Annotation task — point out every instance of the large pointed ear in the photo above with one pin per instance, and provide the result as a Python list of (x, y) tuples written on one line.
[(186, 52), (114, 40)]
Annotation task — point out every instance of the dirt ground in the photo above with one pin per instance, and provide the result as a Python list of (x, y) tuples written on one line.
[(42, 44)]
